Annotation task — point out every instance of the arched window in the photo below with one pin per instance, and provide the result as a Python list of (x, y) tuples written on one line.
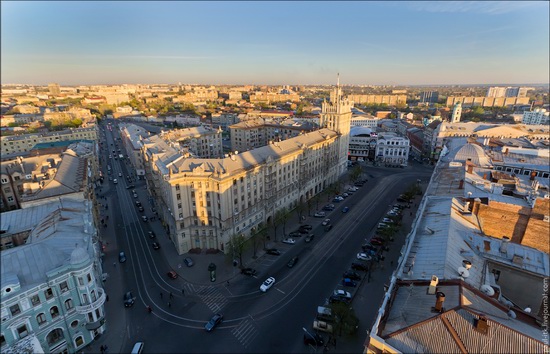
[(69, 304), (41, 319), (79, 341), (54, 311), (54, 336)]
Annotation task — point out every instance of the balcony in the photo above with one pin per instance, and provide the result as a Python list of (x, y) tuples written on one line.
[(95, 325), (94, 305)]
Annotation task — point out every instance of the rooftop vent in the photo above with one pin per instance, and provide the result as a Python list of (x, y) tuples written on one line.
[(481, 325), (440, 299)]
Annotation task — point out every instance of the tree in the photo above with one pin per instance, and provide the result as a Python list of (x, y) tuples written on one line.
[(237, 244), (282, 216), (300, 208), (355, 173), (345, 320), (260, 234)]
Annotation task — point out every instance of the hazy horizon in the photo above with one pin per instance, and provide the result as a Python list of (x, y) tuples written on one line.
[(454, 43)]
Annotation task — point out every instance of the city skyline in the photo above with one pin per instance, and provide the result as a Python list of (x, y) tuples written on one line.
[(274, 43)]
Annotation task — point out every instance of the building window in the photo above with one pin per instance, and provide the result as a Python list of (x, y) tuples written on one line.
[(74, 324), (48, 293), (80, 281), (63, 286), (35, 300), (22, 331), (79, 341), (54, 312), (69, 304), (2, 340), (15, 310), (89, 278), (41, 319)]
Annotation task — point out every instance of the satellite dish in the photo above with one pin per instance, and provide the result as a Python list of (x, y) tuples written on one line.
[(464, 273), (488, 290), (527, 309), (511, 314)]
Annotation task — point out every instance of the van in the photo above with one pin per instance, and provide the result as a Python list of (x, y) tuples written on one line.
[(324, 313), (138, 348)]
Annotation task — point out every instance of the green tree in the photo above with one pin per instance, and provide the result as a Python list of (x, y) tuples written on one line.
[(282, 216), (345, 320), (237, 245), (355, 173), (300, 208)]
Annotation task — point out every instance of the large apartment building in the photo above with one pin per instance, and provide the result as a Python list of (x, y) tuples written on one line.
[(204, 202), (51, 287), (21, 144)]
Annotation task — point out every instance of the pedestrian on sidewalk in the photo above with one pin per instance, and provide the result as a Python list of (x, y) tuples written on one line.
[(169, 304), (183, 291), (161, 294), (171, 295)]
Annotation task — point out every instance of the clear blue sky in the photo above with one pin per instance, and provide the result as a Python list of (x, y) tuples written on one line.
[(372, 43)]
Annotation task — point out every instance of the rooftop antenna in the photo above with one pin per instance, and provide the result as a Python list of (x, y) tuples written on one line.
[(338, 80)]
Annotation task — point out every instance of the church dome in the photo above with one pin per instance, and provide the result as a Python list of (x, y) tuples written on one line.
[(474, 153), (79, 255), (360, 130)]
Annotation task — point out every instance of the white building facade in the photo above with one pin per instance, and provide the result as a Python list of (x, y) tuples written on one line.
[(392, 150)]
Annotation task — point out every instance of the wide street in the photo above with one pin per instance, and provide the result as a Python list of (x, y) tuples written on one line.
[(253, 321)]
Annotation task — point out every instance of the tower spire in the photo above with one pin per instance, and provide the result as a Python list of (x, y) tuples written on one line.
[(338, 80)]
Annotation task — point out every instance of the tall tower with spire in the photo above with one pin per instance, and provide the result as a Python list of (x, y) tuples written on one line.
[(336, 115)]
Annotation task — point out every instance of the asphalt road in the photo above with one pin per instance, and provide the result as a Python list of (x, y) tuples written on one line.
[(253, 321)]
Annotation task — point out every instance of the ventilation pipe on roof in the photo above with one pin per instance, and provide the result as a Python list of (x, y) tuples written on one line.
[(504, 244), (481, 324), (477, 203), (440, 299)]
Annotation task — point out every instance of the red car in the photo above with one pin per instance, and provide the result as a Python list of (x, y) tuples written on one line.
[(172, 274)]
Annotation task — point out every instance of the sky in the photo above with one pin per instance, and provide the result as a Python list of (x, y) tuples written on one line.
[(275, 42)]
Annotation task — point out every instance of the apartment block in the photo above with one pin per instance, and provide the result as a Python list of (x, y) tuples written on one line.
[(537, 117)]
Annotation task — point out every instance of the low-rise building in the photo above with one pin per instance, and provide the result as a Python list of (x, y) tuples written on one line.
[(392, 149), (537, 117)]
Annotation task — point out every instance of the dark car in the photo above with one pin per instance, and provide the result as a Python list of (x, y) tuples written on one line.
[(376, 242), (140, 208), (273, 251), (171, 274), (295, 234), (349, 282), (306, 227), (130, 186), (345, 209), (214, 321), (352, 275), (129, 299), (292, 262), (329, 207), (188, 262), (316, 339), (156, 246), (309, 237), (359, 266), (122, 257), (328, 227), (138, 203), (335, 299), (152, 234), (248, 271)]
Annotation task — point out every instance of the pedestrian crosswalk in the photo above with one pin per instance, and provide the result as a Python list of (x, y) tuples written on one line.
[(210, 296), (245, 332)]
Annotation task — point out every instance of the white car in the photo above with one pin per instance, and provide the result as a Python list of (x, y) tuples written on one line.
[(363, 257), (320, 214), (290, 241), (341, 293), (326, 222), (268, 283), (115, 181)]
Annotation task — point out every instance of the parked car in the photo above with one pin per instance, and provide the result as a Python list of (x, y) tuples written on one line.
[(140, 208), (129, 299), (345, 209), (295, 234), (328, 227), (115, 181), (130, 186), (352, 275), (120, 174), (363, 257), (248, 271), (309, 237), (329, 207), (152, 234), (135, 195), (188, 262), (322, 326), (214, 321), (345, 195), (315, 339), (325, 222), (289, 241), (376, 242), (319, 214), (156, 245), (173, 275), (122, 257), (273, 251), (337, 199), (349, 282), (267, 284), (306, 227), (292, 262), (341, 293), (144, 218), (359, 266)]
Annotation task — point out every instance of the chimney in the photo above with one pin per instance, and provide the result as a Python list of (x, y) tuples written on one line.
[(506, 151), (466, 264), (440, 299), (481, 324), (484, 176), (466, 207), (504, 244), (470, 169), (533, 175), (477, 203), (461, 184), (433, 285)]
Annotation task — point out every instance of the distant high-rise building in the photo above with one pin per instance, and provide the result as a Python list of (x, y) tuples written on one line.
[(538, 116), (429, 96), (457, 112), (54, 89), (507, 91)]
